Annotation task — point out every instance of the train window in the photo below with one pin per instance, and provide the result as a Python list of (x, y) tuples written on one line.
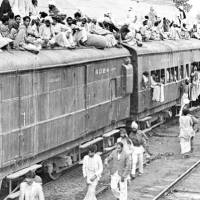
[(168, 75), (158, 76), (176, 74), (172, 78), (172, 74), (181, 72), (162, 80), (187, 71), (198, 67)]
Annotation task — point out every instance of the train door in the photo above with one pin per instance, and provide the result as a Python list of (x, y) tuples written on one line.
[(79, 106), (114, 110), (9, 128), (113, 89), (97, 95), (26, 114)]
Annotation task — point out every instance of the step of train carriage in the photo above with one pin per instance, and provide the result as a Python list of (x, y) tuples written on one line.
[(56, 101), (162, 68)]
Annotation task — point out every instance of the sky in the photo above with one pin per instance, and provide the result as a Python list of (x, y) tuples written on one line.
[(118, 8), (96, 8)]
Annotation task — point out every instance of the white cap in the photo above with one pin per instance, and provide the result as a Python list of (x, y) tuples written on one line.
[(134, 125), (186, 101), (34, 17), (48, 18), (181, 7), (52, 2)]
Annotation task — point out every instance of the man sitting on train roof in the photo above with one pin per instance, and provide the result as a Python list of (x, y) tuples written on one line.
[(68, 32), (25, 39)]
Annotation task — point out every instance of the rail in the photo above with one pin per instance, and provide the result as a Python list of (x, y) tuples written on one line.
[(175, 182)]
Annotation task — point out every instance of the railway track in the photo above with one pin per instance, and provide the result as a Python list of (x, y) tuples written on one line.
[(174, 188)]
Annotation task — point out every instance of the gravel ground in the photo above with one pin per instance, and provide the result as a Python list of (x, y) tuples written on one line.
[(160, 173)]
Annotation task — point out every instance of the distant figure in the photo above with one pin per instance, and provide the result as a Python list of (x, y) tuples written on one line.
[(53, 10), (5, 9), (186, 132), (120, 169), (195, 81), (92, 170), (186, 92), (182, 15), (31, 190), (34, 8)]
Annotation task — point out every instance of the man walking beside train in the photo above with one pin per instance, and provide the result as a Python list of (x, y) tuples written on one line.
[(120, 164), (92, 170), (139, 147)]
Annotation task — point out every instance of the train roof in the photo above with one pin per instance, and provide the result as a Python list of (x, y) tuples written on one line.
[(23, 60), (166, 46)]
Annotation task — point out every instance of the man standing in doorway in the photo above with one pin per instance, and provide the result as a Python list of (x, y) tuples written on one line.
[(120, 169), (92, 170)]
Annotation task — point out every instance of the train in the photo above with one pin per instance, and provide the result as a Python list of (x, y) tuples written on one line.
[(57, 103)]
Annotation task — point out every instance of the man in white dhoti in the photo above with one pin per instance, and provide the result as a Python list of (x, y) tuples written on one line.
[(186, 122), (92, 170)]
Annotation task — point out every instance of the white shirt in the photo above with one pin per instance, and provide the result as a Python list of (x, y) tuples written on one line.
[(92, 166), (118, 156), (58, 27), (31, 192)]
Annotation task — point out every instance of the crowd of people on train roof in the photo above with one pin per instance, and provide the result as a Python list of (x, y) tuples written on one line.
[(37, 30)]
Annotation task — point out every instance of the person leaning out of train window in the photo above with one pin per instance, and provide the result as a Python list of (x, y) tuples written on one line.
[(174, 76), (162, 79), (30, 189), (157, 88), (153, 80), (145, 80), (195, 83), (185, 90)]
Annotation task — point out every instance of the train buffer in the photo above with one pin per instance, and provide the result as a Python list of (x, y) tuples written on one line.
[(109, 140), (13, 194), (144, 122)]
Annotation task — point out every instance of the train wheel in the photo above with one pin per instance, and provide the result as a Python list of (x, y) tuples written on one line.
[(52, 170)]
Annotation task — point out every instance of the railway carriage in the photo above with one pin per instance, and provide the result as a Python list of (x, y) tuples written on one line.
[(53, 102), (171, 61)]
